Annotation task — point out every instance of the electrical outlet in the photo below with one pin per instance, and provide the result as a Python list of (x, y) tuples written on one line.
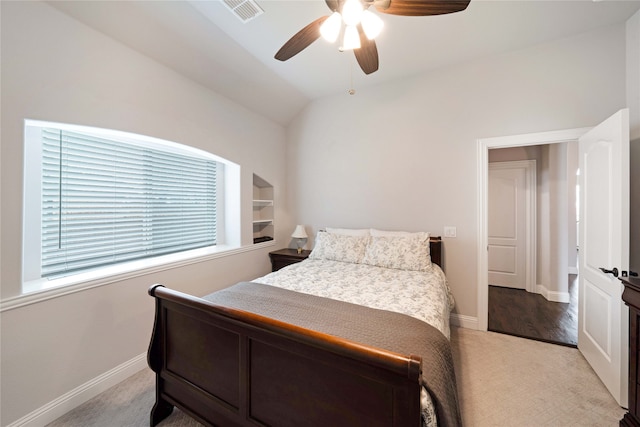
[(449, 231)]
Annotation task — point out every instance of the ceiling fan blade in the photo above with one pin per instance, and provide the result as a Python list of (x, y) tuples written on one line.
[(334, 5), (300, 40), (367, 54), (420, 7)]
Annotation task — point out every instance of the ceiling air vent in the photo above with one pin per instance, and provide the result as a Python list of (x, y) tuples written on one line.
[(245, 10)]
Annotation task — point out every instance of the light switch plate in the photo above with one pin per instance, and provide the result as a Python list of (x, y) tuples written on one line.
[(449, 231)]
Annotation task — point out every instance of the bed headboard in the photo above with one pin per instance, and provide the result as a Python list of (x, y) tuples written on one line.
[(435, 247)]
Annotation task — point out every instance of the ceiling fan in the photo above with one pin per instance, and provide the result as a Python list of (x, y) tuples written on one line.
[(361, 26)]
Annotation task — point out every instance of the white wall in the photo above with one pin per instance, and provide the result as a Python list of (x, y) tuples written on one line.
[(634, 189), (558, 219), (633, 73), (573, 159), (633, 102), (56, 69), (543, 258), (403, 155)]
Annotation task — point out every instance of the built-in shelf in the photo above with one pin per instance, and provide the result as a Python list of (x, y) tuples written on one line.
[(263, 224)]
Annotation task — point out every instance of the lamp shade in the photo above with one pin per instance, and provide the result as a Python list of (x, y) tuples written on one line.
[(371, 24), (330, 29), (299, 232), (351, 38)]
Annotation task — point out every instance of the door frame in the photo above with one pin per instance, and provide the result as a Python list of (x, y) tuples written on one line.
[(529, 167), (482, 157)]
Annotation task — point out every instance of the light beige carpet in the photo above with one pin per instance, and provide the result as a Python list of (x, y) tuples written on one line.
[(502, 381), (509, 381)]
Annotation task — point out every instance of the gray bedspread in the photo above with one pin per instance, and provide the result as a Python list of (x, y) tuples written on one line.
[(379, 328)]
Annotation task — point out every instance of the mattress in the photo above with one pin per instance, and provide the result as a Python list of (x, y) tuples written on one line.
[(424, 295)]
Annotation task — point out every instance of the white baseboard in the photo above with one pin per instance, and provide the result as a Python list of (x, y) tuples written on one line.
[(463, 321), (553, 295), (76, 397)]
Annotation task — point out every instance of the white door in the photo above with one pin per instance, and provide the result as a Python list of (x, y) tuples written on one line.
[(508, 193), (604, 243)]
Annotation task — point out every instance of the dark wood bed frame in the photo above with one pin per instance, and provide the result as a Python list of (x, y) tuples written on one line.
[(227, 367)]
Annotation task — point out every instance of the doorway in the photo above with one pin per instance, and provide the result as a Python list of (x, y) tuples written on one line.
[(523, 301), (548, 225)]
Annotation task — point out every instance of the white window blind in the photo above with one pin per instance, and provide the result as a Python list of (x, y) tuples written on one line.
[(106, 201)]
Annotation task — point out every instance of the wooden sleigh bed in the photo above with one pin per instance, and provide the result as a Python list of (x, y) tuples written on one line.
[(238, 358)]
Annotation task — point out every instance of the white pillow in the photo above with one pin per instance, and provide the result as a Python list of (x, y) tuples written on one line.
[(406, 252), (339, 247), (349, 231), (384, 233)]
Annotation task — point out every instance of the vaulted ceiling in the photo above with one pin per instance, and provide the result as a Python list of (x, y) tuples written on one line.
[(207, 43)]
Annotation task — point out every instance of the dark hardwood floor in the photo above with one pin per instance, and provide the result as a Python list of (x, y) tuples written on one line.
[(520, 313)]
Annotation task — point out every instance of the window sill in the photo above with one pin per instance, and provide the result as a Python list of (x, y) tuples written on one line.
[(41, 290)]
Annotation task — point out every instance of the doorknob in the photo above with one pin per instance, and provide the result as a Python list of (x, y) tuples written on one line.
[(614, 271)]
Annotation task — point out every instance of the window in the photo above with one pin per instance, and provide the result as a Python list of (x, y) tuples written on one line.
[(97, 198)]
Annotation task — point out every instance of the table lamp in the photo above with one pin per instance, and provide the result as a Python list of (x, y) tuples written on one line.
[(299, 235)]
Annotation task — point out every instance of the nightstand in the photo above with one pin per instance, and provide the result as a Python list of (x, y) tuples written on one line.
[(283, 257), (631, 296)]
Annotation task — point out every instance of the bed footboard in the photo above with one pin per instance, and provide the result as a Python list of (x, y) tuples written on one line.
[(228, 367)]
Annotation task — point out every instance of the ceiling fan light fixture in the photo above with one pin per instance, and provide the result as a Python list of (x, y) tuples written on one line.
[(358, 28), (371, 24), (352, 12), (351, 38), (330, 29)]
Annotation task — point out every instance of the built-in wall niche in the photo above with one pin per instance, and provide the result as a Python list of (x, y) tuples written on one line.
[(262, 210)]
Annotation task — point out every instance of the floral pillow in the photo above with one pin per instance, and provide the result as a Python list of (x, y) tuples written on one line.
[(339, 247), (400, 252)]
